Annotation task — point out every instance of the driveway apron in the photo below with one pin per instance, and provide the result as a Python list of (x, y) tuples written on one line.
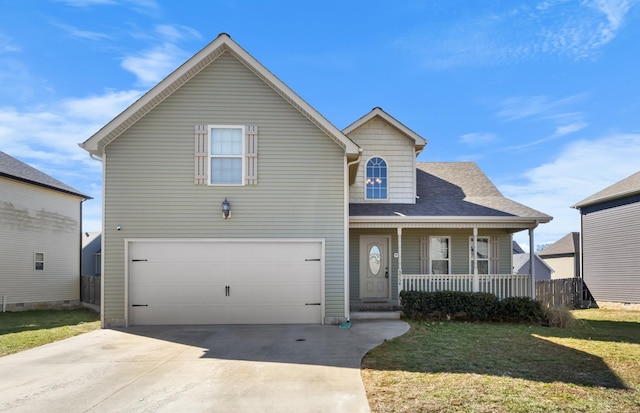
[(228, 368)]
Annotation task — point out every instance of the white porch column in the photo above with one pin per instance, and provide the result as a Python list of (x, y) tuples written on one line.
[(532, 263), (476, 279), (399, 262)]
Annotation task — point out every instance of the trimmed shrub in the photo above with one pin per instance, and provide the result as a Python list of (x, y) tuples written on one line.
[(448, 305), (465, 306), (521, 310)]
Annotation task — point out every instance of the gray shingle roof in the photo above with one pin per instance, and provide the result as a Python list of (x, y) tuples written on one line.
[(452, 189), (12, 168), (621, 189), (569, 244)]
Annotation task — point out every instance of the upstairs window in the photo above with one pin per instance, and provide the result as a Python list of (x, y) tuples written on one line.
[(226, 155), (376, 182)]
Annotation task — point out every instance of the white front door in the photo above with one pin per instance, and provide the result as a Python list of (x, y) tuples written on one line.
[(374, 267)]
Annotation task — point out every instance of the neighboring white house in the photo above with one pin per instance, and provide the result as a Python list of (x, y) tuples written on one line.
[(229, 199), (40, 225), (521, 266)]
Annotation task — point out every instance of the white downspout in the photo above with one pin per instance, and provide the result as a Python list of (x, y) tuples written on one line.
[(347, 253), (532, 263), (399, 263)]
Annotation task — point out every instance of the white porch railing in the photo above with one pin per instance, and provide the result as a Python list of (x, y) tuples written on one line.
[(501, 285)]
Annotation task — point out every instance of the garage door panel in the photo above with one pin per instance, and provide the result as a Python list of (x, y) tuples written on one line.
[(187, 282)]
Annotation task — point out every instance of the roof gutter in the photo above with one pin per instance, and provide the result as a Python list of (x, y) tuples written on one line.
[(449, 219), (614, 197)]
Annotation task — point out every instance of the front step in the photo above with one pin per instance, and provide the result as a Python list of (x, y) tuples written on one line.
[(375, 315)]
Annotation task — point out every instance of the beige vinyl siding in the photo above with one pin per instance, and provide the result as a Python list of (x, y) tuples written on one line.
[(610, 249), (378, 138), (411, 252), (36, 219), (563, 267), (150, 190)]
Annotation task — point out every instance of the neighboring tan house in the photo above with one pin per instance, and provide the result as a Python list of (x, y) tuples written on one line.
[(563, 256), (40, 224), (229, 199), (521, 266), (610, 230)]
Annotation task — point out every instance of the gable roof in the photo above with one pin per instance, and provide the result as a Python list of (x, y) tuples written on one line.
[(455, 191), (222, 44), (517, 249), (522, 259), (12, 168), (621, 189), (569, 244), (419, 141)]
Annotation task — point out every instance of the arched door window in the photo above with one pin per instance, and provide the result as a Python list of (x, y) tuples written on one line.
[(376, 183)]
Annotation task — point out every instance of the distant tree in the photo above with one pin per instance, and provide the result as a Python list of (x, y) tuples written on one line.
[(540, 247)]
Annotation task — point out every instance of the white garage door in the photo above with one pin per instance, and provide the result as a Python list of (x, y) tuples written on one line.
[(225, 282)]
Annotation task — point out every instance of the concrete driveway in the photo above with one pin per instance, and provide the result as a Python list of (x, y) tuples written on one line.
[(272, 368)]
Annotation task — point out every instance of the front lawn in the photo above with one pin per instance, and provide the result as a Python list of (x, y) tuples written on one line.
[(473, 367), (27, 329)]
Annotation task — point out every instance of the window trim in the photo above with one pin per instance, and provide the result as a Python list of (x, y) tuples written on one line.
[(242, 156), (36, 261), (366, 178), (488, 259), (431, 255)]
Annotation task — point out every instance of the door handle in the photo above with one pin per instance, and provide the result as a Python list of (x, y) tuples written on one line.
[(386, 272), (227, 291)]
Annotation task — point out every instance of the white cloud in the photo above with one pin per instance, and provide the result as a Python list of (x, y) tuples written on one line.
[(53, 132), (521, 107), (47, 138), (177, 32), (80, 33), (478, 138), (569, 29), (569, 128), (8, 45), (152, 65), (580, 169)]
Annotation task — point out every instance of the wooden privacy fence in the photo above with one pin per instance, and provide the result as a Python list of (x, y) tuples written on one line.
[(90, 289), (560, 292)]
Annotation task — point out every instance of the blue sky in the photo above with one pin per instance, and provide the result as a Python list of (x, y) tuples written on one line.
[(543, 95)]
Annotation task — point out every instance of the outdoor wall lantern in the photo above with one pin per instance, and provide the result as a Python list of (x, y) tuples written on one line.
[(226, 209)]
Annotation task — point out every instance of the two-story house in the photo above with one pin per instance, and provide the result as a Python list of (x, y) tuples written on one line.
[(229, 199)]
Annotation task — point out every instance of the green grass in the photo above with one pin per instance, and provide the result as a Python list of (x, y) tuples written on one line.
[(593, 366), (27, 329)]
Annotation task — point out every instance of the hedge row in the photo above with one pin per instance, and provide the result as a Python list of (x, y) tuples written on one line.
[(462, 306)]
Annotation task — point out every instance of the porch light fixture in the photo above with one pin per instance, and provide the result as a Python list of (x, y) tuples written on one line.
[(226, 209)]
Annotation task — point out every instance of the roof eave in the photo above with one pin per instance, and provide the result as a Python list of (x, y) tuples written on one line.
[(587, 203), (451, 219), (419, 141), (40, 184)]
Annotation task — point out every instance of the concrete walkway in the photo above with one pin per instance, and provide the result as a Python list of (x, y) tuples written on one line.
[(272, 368)]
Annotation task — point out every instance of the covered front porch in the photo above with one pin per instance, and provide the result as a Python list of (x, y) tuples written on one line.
[(387, 258)]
